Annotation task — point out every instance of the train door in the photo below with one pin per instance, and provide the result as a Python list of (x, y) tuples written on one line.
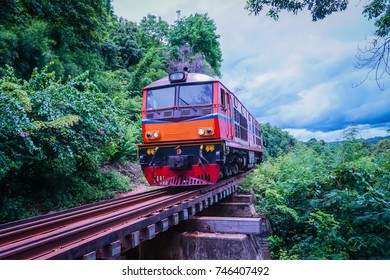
[(225, 126), (229, 115)]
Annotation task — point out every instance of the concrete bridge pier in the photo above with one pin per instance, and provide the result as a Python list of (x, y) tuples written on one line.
[(229, 230)]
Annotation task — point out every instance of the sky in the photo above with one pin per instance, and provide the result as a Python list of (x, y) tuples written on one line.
[(293, 73)]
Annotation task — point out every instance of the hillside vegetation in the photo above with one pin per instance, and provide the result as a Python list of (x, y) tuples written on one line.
[(327, 201), (71, 75)]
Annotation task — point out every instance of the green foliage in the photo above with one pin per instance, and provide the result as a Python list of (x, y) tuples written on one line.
[(319, 9), (67, 32), (54, 135), (60, 192), (383, 146), (84, 18), (324, 206), (380, 11), (276, 141), (153, 32), (374, 9), (61, 121), (71, 79), (199, 32), (121, 49), (25, 48), (352, 147), (151, 67), (9, 11), (16, 147)]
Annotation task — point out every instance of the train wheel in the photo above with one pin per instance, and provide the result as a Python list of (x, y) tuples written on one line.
[(227, 171), (235, 169)]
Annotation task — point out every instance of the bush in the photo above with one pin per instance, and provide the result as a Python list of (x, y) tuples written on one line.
[(325, 206), (53, 138), (43, 120)]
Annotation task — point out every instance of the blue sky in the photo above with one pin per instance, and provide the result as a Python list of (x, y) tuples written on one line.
[(293, 73)]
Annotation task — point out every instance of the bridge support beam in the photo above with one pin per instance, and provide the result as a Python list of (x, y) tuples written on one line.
[(227, 230), (130, 241), (89, 256), (110, 251), (226, 225)]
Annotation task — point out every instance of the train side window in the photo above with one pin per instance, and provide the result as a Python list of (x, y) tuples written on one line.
[(235, 102), (227, 100), (223, 100)]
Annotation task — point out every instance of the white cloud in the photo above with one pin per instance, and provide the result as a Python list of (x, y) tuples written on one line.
[(305, 135), (364, 132), (310, 107)]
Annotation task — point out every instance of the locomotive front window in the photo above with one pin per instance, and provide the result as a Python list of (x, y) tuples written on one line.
[(160, 98), (195, 95)]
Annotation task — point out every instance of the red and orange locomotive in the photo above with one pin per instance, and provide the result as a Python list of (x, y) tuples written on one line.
[(195, 132)]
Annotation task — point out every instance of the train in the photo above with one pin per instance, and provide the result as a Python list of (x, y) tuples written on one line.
[(195, 132)]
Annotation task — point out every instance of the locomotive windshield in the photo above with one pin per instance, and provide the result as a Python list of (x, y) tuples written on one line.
[(160, 98), (195, 95), (187, 95)]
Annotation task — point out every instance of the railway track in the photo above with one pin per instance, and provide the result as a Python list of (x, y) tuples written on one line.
[(129, 220)]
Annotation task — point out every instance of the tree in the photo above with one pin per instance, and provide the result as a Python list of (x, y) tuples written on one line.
[(199, 32), (43, 120), (25, 48), (9, 11), (187, 59), (54, 135), (153, 66), (375, 56), (70, 33), (322, 206), (153, 31), (85, 18), (121, 49), (276, 141), (318, 9)]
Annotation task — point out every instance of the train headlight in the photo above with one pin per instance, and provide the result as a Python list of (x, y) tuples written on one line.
[(156, 134), (177, 77), (201, 131), (210, 131), (148, 135), (210, 148)]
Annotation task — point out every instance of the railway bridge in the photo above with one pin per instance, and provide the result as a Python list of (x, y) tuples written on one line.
[(120, 228)]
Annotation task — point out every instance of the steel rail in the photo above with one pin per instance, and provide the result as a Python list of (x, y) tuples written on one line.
[(45, 236), (30, 221), (45, 242), (61, 219), (37, 226)]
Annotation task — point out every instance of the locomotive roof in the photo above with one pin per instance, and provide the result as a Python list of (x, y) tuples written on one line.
[(191, 78)]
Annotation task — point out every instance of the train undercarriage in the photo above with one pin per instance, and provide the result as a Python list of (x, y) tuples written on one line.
[(193, 164)]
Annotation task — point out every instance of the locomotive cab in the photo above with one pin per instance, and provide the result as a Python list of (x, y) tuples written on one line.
[(181, 98)]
